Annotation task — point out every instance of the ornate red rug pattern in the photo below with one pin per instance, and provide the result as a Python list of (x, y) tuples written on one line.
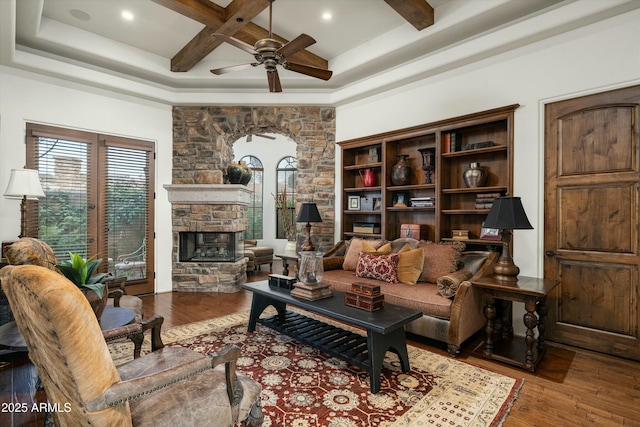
[(303, 387)]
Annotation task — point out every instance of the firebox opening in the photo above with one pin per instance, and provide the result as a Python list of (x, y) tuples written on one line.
[(211, 246)]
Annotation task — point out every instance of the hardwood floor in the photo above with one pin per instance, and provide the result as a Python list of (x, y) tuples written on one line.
[(572, 387)]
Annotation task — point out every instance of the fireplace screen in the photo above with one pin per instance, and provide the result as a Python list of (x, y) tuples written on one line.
[(211, 246)]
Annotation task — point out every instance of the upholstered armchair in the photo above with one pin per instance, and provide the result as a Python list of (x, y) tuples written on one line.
[(168, 387)]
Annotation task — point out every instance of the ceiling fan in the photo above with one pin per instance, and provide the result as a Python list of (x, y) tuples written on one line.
[(270, 53), (250, 136)]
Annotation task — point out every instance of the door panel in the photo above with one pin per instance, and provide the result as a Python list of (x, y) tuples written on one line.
[(591, 231)]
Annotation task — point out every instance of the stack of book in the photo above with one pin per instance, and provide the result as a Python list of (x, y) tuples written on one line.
[(485, 200), (311, 292), (423, 202)]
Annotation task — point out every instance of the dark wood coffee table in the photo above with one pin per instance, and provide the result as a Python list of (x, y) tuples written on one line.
[(385, 328)]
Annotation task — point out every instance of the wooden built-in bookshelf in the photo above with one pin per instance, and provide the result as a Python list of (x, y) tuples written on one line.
[(455, 203)]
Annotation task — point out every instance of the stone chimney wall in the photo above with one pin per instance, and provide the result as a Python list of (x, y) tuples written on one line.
[(203, 140)]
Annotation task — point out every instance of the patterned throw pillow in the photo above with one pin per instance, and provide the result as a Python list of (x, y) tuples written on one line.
[(380, 267), (448, 285), (356, 246)]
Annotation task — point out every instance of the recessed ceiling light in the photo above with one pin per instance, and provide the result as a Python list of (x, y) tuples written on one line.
[(327, 16), (127, 15), (80, 14)]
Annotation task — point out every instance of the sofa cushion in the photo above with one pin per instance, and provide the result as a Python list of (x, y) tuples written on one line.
[(355, 246), (448, 284), (410, 264), (440, 259), (381, 267), (424, 297)]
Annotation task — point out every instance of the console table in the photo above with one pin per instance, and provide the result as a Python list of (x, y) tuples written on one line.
[(533, 293)]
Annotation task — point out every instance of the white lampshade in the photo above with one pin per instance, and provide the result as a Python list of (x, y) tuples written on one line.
[(24, 183)]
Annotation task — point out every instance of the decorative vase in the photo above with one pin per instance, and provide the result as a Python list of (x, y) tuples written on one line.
[(234, 173), (368, 177), (311, 267), (475, 176), (427, 163), (246, 173), (402, 172), (290, 246), (97, 304)]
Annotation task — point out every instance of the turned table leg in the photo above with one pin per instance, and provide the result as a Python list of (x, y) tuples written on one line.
[(530, 321), (490, 314)]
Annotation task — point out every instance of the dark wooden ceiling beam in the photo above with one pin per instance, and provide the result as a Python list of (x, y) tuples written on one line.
[(418, 13), (225, 20)]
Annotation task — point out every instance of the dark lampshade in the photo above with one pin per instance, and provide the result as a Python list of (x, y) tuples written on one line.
[(507, 214), (308, 213)]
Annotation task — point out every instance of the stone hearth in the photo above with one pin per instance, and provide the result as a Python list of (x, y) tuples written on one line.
[(207, 208)]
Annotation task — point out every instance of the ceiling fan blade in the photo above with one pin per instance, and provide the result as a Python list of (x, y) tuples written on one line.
[(232, 68), (237, 43), (274, 81), (265, 136), (316, 72), (301, 42)]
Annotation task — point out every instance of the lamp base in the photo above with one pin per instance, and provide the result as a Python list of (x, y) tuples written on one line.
[(307, 246), (506, 271)]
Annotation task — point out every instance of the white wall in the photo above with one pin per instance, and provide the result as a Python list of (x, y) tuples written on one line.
[(25, 97), (270, 152)]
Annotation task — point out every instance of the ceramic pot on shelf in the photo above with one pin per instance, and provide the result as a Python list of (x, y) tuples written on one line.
[(234, 173), (368, 177), (402, 172), (246, 173), (475, 176)]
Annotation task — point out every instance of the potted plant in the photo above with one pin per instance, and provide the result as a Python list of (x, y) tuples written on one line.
[(82, 272)]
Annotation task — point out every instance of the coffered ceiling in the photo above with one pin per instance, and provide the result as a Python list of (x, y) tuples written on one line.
[(370, 45)]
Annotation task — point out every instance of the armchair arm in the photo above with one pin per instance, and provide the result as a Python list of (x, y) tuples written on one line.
[(133, 332), (154, 323), (229, 356), (116, 294), (174, 365)]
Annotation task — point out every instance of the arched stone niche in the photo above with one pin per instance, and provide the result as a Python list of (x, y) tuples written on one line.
[(203, 140)]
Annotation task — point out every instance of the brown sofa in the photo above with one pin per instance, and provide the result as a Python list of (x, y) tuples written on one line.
[(452, 320), (258, 255)]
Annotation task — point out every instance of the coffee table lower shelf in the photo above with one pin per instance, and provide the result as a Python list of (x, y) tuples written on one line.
[(330, 339)]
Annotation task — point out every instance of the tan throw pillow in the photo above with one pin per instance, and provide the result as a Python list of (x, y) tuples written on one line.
[(28, 250), (379, 267), (410, 265), (440, 259), (371, 249), (448, 284), (356, 246)]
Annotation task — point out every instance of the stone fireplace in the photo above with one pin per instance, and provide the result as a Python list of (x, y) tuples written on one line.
[(209, 221)]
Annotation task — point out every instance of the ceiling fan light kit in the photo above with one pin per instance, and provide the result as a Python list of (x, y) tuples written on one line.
[(271, 53)]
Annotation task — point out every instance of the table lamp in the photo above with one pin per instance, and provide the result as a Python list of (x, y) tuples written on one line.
[(24, 184), (308, 213), (507, 214)]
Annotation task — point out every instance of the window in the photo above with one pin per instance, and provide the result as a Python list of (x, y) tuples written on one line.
[(286, 173), (99, 199), (255, 208)]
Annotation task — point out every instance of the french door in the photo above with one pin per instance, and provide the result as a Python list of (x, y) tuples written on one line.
[(99, 199)]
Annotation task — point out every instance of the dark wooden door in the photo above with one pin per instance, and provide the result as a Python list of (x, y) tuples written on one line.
[(591, 221)]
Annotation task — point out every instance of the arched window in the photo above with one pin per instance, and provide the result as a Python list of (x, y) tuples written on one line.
[(286, 198), (256, 205)]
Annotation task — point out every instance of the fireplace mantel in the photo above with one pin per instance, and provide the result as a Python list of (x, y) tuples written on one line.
[(210, 194)]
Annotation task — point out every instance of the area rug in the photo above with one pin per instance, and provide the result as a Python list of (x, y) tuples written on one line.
[(303, 387)]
